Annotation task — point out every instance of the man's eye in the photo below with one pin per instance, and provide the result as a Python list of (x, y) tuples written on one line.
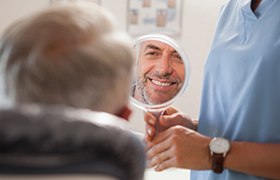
[(152, 54), (176, 58)]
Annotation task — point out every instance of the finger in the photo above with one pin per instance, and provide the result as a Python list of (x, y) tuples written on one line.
[(156, 148), (160, 158), (168, 163), (175, 119), (162, 136), (168, 118), (149, 118), (170, 110), (150, 132), (158, 139)]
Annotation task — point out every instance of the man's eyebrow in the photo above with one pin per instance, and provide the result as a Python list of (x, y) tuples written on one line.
[(174, 52), (151, 46)]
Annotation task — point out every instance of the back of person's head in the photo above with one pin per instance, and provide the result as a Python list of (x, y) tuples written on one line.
[(67, 55)]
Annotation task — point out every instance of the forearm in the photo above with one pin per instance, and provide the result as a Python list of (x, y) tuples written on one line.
[(255, 159)]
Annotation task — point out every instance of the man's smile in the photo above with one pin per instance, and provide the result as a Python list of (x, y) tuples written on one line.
[(161, 84)]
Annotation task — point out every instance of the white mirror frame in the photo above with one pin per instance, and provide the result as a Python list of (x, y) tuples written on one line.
[(165, 39)]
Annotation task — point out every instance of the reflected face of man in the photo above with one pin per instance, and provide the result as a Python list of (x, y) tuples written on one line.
[(160, 73)]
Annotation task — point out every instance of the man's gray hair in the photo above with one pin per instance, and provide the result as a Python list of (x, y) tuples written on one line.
[(67, 55)]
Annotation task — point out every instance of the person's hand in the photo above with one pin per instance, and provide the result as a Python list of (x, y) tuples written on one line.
[(171, 117), (179, 147)]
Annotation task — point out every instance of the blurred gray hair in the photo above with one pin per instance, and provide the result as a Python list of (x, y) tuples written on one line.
[(67, 55)]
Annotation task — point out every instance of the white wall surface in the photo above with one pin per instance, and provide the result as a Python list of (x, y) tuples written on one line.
[(11, 10), (198, 23)]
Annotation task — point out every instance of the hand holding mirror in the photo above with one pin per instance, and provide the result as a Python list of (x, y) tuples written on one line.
[(161, 74)]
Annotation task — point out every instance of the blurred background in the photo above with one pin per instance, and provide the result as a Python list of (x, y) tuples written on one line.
[(198, 20)]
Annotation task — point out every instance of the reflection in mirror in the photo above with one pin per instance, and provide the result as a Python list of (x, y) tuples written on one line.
[(161, 72)]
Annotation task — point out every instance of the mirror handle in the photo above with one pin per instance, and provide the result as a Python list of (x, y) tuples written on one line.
[(157, 114)]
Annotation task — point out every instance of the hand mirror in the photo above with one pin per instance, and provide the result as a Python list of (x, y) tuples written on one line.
[(161, 74)]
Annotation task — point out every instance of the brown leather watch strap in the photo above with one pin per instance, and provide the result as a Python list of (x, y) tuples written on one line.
[(217, 163)]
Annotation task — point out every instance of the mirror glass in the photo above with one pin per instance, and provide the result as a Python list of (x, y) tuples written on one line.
[(161, 72)]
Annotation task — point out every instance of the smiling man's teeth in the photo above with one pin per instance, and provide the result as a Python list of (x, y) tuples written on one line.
[(161, 83)]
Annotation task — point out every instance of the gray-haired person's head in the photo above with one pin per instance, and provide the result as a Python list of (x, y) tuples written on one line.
[(67, 55)]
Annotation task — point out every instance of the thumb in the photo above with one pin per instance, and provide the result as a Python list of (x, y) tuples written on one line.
[(169, 120)]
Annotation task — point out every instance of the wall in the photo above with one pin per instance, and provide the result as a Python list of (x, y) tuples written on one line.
[(199, 18), (10, 10)]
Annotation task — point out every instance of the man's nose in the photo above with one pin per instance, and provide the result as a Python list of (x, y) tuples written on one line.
[(164, 65)]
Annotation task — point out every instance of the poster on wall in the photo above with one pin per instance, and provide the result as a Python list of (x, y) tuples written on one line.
[(53, 2), (154, 16)]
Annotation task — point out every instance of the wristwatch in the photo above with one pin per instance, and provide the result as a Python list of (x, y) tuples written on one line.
[(218, 147)]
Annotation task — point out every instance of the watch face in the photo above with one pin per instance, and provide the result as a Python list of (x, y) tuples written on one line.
[(219, 145)]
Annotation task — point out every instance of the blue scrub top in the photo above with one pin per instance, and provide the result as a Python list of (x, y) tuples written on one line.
[(241, 88)]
